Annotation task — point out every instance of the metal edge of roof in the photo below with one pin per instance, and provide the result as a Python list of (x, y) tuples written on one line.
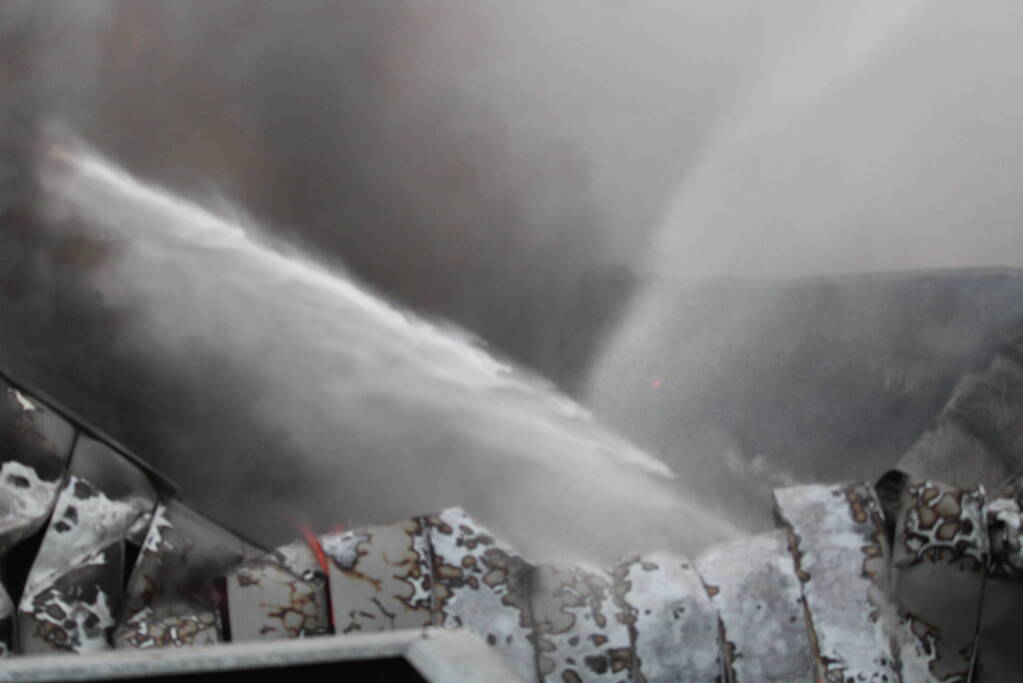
[(163, 483), (453, 655)]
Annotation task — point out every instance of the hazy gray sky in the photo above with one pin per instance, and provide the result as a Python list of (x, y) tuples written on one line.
[(888, 139)]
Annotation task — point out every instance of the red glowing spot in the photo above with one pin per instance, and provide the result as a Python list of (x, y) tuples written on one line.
[(314, 544), (656, 384)]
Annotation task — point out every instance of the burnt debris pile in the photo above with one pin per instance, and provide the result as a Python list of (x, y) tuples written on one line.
[(909, 579)]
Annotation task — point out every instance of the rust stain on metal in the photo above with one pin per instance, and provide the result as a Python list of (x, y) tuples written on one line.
[(839, 554), (939, 560), (380, 578), (569, 604), (280, 595), (489, 594), (173, 599)]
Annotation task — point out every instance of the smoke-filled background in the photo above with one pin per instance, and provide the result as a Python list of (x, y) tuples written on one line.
[(551, 177)]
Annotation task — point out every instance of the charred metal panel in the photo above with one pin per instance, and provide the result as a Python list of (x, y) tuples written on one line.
[(1000, 638), (578, 635), (672, 625), (1004, 519), (752, 584), (173, 597), (482, 585), (840, 555), (75, 584), (380, 578), (939, 559), (280, 595), (35, 444)]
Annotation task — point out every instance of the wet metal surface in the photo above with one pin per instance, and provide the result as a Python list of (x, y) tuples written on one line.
[(931, 593), (671, 622), (482, 585), (840, 555), (754, 587), (380, 578), (578, 635), (75, 584), (280, 595)]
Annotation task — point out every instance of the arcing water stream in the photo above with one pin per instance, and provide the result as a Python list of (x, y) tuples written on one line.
[(380, 414)]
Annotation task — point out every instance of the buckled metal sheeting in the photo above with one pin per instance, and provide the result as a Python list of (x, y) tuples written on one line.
[(645, 619), (35, 444), (841, 557), (753, 585), (927, 586), (577, 634), (483, 585), (380, 578), (173, 598), (75, 584), (941, 544), (282, 594)]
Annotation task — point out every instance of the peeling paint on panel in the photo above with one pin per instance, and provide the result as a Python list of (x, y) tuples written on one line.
[(672, 624), (76, 579), (483, 585), (380, 578), (280, 595), (840, 555), (578, 637), (939, 558), (757, 594)]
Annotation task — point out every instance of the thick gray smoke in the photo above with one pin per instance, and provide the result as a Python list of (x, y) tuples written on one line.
[(877, 137), (507, 166), (474, 160)]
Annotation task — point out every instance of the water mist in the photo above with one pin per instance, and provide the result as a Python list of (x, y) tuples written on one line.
[(382, 415)]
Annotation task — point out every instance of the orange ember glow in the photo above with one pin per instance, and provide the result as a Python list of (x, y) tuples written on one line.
[(314, 544)]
